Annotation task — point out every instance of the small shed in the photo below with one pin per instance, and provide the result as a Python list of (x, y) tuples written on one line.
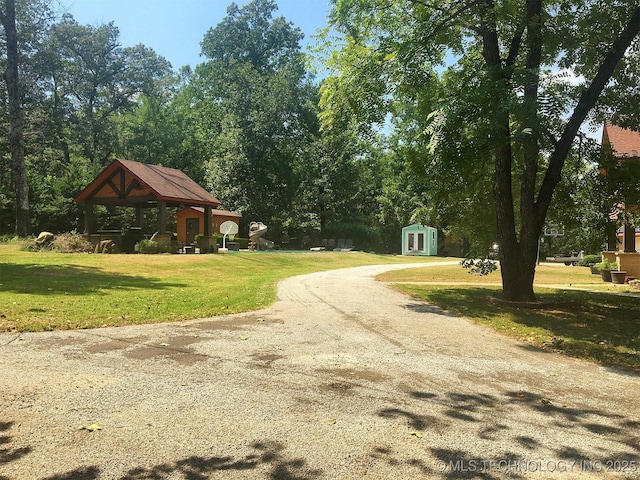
[(190, 222), (419, 240)]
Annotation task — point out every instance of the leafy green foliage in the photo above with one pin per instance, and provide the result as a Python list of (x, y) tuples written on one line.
[(479, 266), (483, 102)]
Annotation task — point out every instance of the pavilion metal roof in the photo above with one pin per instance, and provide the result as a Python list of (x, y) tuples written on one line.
[(126, 183)]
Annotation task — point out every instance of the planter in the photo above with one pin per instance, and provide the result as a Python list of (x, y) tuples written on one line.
[(207, 244), (606, 275), (594, 270), (618, 277)]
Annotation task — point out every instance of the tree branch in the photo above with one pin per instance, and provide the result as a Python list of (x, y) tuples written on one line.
[(585, 104)]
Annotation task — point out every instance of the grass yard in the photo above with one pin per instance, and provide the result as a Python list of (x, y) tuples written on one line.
[(572, 319), (51, 291)]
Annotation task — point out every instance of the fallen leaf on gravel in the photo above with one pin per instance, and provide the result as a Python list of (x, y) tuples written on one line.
[(164, 344), (545, 401), (332, 421), (242, 337), (260, 320), (416, 434), (92, 428)]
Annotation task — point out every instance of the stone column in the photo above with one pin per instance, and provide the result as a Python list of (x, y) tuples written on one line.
[(628, 238)]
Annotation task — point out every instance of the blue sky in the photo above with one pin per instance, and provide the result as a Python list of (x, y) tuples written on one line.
[(174, 29)]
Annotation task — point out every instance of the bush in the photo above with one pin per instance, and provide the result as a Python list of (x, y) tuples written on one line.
[(589, 260), (71, 242), (148, 246)]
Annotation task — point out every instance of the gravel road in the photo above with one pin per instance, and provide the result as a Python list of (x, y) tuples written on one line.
[(342, 378)]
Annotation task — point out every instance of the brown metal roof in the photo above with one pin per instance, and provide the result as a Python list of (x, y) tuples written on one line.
[(125, 182), (623, 142), (215, 211)]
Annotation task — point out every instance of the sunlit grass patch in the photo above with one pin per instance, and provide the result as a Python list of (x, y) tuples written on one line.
[(596, 326)]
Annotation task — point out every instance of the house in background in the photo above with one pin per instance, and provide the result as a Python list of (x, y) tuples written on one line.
[(190, 222), (624, 145), (419, 240)]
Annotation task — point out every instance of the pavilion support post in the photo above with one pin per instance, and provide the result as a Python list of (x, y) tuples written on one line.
[(89, 218), (206, 243), (162, 217), (163, 239), (208, 214), (140, 216)]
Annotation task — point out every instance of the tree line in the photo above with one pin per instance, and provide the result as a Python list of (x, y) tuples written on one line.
[(243, 123)]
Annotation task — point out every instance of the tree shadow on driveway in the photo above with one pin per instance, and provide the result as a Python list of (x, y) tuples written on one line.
[(522, 426), (264, 455)]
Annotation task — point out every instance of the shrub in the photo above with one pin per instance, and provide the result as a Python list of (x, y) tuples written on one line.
[(589, 260), (71, 242), (148, 246)]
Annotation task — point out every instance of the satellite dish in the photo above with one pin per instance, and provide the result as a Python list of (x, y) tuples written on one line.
[(227, 228)]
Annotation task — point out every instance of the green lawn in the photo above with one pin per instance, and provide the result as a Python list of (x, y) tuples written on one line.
[(571, 319), (50, 291)]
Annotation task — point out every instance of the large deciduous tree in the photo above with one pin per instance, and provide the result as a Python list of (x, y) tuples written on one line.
[(503, 84), (16, 134), (93, 80), (258, 108)]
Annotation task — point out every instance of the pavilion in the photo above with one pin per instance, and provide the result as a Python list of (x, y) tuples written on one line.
[(141, 186)]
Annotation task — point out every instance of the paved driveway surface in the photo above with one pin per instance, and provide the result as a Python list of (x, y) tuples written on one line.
[(342, 378)]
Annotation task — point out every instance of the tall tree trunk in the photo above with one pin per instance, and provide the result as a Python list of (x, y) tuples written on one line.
[(518, 256), (18, 168)]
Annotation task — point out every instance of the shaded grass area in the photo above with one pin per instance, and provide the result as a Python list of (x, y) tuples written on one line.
[(596, 326), (49, 291)]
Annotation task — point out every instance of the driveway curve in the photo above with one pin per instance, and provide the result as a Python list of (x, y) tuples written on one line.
[(342, 378)]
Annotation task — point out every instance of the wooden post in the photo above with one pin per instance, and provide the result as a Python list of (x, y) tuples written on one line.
[(208, 213), (140, 216), (162, 217), (89, 218)]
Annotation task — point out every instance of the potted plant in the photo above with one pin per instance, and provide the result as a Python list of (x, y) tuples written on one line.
[(605, 267), (618, 276)]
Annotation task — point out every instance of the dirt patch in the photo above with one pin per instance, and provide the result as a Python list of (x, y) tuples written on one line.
[(173, 349), (354, 374), (264, 360)]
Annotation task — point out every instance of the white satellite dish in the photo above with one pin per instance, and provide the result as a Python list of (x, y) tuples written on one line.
[(227, 228)]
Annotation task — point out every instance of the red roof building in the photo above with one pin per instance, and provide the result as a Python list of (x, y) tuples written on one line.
[(624, 145)]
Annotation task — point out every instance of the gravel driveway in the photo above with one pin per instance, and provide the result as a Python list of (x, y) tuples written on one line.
[(343, 378)]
